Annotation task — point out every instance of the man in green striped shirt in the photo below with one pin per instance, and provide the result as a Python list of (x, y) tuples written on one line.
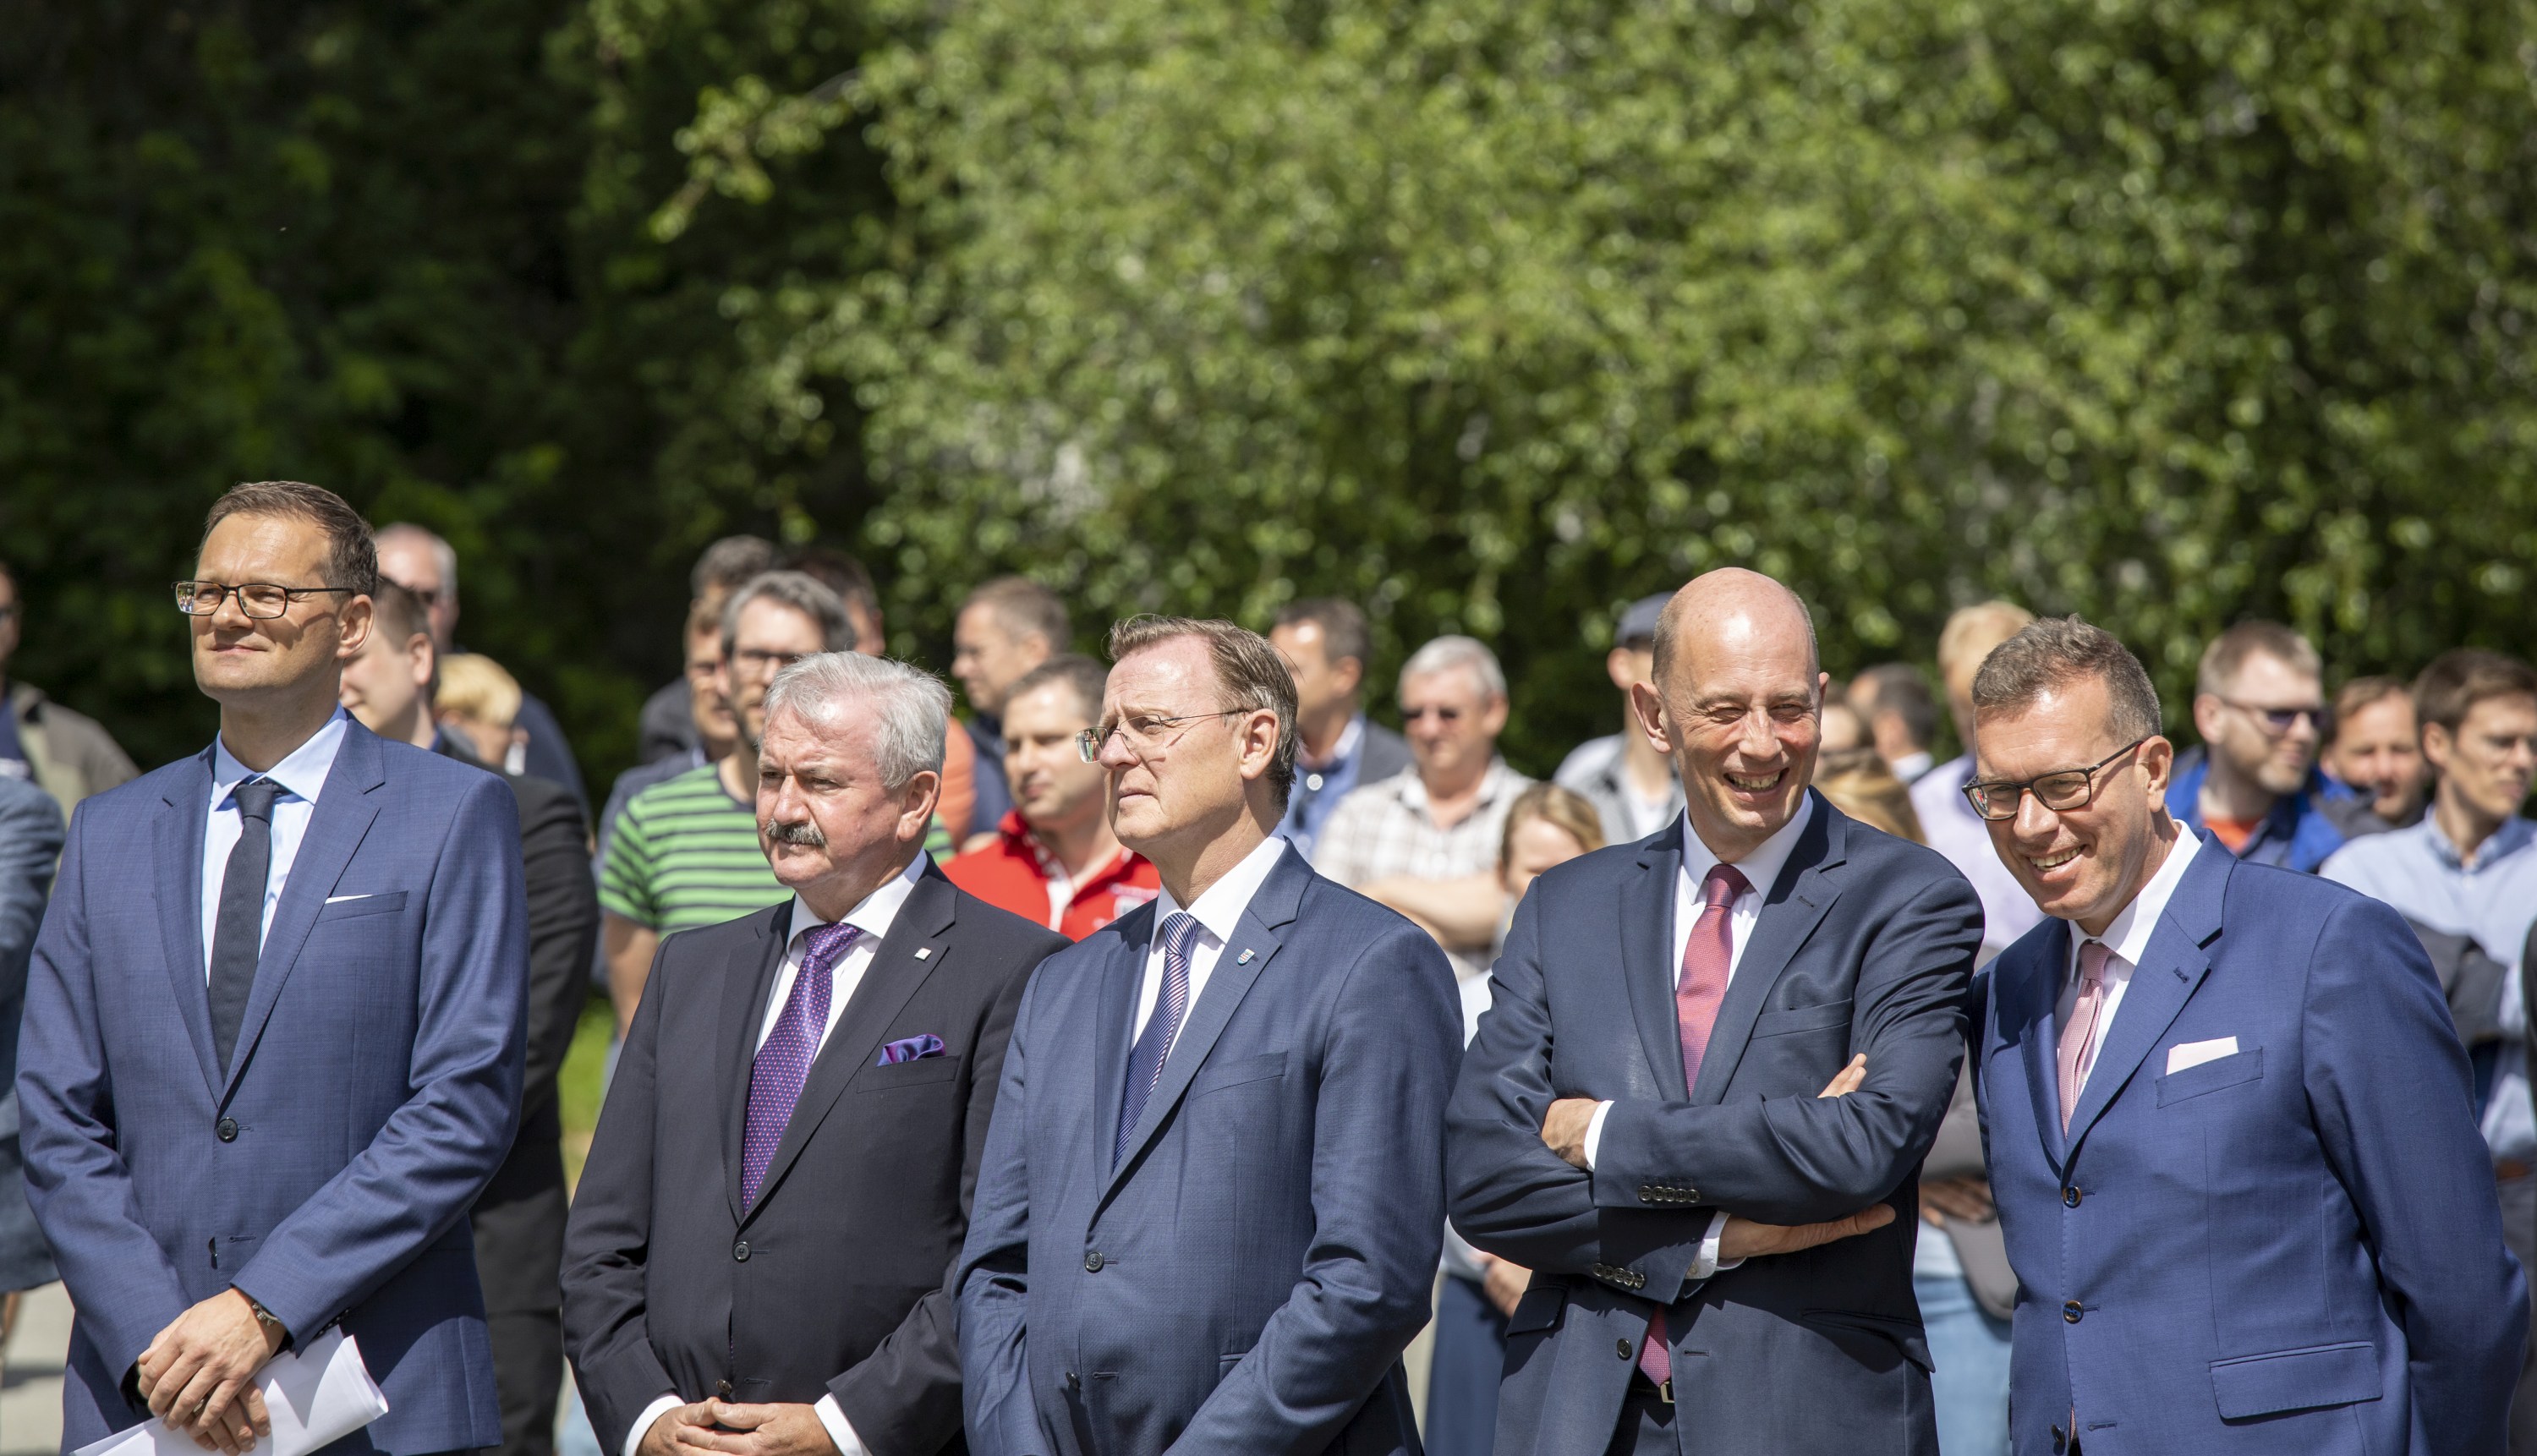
[(686, 851)]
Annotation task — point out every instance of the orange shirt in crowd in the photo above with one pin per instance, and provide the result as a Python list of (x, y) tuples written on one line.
[(1016, 873)]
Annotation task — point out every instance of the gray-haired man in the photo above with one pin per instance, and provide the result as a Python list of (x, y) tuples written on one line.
[(782, 1171)]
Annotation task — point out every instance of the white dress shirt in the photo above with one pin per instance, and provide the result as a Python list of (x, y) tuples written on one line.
[(302, 776), (874, 916), (2127, 941), (1761, 871), (1217, 911)]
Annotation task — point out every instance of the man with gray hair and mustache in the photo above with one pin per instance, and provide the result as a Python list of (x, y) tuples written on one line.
[(782, 1173)]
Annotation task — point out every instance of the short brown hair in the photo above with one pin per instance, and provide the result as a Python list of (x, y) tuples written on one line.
[(2458, 679), (1070, 669), (2228, 653), (351, 557), (1344, 633), (400, 614), (1026, 609), (1563, 809), (2054, 652), (1253, 675), (2365, 692), (728, 564), (838, 572)]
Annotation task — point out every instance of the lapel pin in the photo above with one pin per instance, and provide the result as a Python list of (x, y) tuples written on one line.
[(1243, 958), (923, 951)]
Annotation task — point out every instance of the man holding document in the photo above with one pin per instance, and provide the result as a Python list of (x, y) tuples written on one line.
[(274, 1033), (2229, 1119)]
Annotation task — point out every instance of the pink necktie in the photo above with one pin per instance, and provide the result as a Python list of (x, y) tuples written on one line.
[(2074, 1054), (1708, 954)]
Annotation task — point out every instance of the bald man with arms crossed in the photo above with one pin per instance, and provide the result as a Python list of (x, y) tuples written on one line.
[(1646, 1110)]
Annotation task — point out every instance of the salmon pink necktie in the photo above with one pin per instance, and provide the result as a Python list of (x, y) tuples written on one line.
[(1707, 954), (2073, 1055)]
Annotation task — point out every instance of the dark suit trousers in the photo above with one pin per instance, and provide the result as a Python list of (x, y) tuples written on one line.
[(519, 1259)]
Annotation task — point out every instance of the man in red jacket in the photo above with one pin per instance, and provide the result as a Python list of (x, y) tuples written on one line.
[(1055, 860)]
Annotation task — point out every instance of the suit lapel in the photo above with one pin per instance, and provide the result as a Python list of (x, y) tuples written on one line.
[(1792, 907), (1254, 945), (348, 802), (2026, 1002), (1113, 1035), (1646, 958), (2164, 980), (746, 986), (184, 812), (895, 973)]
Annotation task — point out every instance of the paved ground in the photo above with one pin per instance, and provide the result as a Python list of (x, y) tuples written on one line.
[(30, 1393)]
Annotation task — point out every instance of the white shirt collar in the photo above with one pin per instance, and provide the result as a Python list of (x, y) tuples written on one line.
[(1220, 905), (879, 909), (302, 772), (1761, 867), (2128, 935)]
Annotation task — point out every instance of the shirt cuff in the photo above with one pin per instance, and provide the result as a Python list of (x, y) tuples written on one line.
[(1706, 1265), (1595, 1133), (841, 1429), (643, 1424)]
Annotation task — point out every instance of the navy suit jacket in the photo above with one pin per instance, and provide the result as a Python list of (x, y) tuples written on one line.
[(327, 1171), (1245, 1278), (1864, 945), (2293, 1249)]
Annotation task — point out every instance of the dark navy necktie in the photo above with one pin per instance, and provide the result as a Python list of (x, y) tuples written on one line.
[(237, 931), (784, 1062), (1179, 934)]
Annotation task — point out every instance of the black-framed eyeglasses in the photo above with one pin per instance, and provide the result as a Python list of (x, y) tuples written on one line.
[(2060, 791), (2280, 721), (255, 598), (1143, 731)]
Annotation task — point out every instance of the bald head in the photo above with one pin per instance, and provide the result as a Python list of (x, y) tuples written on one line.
[(1733, 606), (1736, 704)]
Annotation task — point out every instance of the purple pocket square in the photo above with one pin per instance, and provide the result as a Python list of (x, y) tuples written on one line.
[(910, 1049)]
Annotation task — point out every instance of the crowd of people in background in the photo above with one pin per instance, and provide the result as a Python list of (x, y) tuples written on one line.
[(2411, 791)]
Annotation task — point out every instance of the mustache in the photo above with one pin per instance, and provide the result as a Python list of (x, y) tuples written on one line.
[(794, 832)]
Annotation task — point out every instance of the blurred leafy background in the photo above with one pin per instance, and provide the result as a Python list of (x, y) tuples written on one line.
[(1494, 314)]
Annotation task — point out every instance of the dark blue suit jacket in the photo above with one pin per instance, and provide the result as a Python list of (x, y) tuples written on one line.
[(1863, 945), (1247, 1276), (327, 1171), (2294, 1249)]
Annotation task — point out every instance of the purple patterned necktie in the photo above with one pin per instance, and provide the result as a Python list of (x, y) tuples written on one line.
[(1179, 934), (784, 1060)]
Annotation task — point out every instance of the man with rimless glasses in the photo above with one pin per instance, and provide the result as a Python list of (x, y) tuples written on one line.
[(2229, 1126), (2259, 706)]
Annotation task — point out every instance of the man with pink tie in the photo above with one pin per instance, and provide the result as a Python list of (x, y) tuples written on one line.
[(2229, 1119)]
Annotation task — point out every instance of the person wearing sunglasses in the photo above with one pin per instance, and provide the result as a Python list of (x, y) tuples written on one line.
[(2254, 785), (2230, 1131)]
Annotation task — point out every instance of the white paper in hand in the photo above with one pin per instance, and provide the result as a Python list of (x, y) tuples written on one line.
[(314, 1397)]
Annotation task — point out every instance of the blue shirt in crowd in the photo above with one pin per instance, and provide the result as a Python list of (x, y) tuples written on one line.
[(2492, 902), (2296, 835)]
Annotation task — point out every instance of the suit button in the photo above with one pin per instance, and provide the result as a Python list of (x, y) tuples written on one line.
[(1621, 1348), (2069, 1198), (1092, 1262), (723, 1388), (1646, 1194), (226, 1129), (1073, 1381), (739, 1251), (2058, 1440), (2071, 1311)]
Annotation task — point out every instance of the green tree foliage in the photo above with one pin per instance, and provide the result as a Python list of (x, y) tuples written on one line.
[(1494, 314), (405, 250), (1497, 315)]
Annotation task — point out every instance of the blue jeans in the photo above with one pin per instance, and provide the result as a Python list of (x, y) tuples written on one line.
[(1971, 1351)]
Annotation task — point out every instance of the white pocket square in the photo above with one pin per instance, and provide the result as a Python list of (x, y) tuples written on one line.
[(339, 899), (2194, 1053)]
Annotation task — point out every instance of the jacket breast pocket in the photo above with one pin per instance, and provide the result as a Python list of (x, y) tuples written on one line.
[(360, 905), (917, 1073), (1240, 1073), (1801, 1019), (2211, 1076)]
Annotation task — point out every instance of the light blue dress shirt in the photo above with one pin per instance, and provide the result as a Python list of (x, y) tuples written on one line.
[(2493, 902), (301, 775)]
